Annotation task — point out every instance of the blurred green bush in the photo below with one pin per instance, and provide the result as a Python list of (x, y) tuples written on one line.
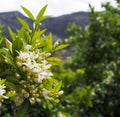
[(91, 80)]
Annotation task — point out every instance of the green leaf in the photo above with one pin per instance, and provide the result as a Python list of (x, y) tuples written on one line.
[(1, 41), (1, 50), (8, 59), (40, 43), (29, 14), (61, 47), (24, 109), (27, 37), (37, 35), (89, 103), (54, 60), (8, 44), (17, 45), (24, 35), (40, 15), (23, 23), (1, 81), (56, 100), (49, 43), (45, 17), (12, 34), (11, 94), (50, 83), (58, 86)]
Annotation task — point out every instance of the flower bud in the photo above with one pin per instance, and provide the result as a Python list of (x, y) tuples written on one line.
[(60, 92)]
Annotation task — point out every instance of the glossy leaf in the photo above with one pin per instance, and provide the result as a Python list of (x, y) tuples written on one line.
[(61, 47), (12, 34), (29, 14), (40, 15), (58, 86), (49, 42), (37, 35), (45, 17), (8, 44), (16, 46), (24, 109), (23, 23), (11, 94), (54, 60)]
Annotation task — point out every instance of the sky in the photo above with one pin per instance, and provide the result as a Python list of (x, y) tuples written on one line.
[(55, 7)]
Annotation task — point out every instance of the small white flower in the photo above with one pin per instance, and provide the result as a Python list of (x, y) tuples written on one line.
[(30, 63), (19, 64), (47, 54), (44, 62), (46, 94), (47, 66), (28, 47), (43, 55), (23, 55), (46, 74), (2, 91), (60, 92), (36, 70), (32, 100), (40, 78)]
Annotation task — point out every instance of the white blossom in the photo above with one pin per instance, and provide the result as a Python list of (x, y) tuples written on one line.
[(46, 94), (60, 92), (37, 69), (35, 63), (3, 91), (30, 63)]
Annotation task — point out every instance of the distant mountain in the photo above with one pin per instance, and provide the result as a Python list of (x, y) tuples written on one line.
[(8, 19), (56, 25)]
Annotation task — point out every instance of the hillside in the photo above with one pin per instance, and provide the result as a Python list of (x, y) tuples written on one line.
[(56, 25)]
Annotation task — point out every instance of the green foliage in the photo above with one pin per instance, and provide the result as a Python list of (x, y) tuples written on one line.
[(94, 92), (24, 109), (29, 14)]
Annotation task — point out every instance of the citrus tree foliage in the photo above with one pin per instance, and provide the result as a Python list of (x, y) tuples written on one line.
[(91, 81), (25, 65)]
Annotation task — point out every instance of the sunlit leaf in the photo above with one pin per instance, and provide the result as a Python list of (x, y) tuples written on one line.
[(40, 15), (11, 94), (2, 81), (16, 46), (49, 42), (8, 44), (58, 86), (12, 34), (28, 13), (54, 60), (45, 17), (61, 47), (37, 35), (23, 23)]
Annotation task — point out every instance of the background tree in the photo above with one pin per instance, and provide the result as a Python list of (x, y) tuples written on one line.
[(92, 79)]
